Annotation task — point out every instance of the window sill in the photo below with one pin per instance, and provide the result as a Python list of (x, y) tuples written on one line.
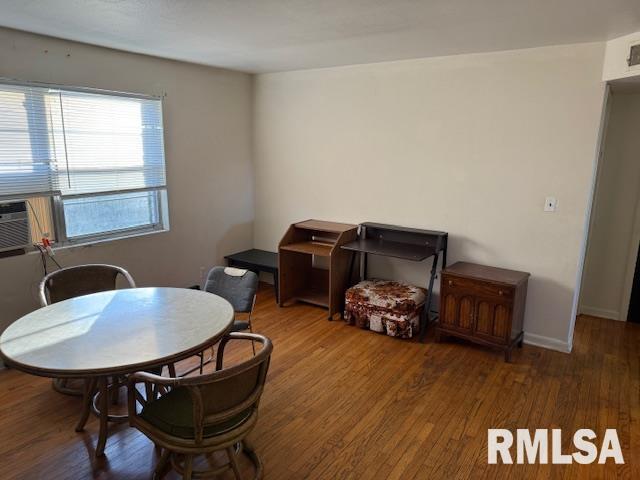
[(98, 241)]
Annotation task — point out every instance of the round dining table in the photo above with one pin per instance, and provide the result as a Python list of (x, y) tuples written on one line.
[(107, 335)]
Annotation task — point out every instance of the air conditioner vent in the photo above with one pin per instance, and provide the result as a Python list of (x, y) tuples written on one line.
[(14, 226)]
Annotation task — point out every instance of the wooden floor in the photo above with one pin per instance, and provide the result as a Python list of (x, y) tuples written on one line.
[(346, 403)]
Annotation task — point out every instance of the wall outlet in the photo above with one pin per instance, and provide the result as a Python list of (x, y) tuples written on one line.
[(550, 204)]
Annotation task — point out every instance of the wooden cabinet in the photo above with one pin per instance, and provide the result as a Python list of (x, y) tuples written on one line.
[(483, 304)]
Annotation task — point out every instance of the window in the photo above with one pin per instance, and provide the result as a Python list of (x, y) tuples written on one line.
[(99, 157), (94, 215)]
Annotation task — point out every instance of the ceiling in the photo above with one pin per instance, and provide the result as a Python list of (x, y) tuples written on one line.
[(276, 35)]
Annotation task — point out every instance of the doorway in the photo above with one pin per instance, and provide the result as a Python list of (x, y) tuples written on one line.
[(611, 277), (634, 302)]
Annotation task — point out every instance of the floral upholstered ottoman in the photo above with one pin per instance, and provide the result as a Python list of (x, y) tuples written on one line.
[(385, 306)]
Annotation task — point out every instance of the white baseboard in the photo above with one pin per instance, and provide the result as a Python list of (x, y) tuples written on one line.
[(600, 312), (546, 342)]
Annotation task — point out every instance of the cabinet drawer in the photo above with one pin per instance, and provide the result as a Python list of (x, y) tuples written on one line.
[(455, 284)]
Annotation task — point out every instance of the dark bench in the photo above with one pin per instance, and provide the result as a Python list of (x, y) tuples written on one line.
[(257, 261)]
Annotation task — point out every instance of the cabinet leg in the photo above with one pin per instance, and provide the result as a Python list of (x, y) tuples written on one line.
[(520, 343), (507, 355)]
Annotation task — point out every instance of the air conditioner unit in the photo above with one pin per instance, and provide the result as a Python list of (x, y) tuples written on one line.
[(14, 226)]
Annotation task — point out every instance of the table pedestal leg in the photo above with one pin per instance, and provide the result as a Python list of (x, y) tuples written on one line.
[(87, 399), (103, 386)]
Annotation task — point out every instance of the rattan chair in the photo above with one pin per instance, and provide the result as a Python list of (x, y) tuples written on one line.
[(203, 414), (73, 282)]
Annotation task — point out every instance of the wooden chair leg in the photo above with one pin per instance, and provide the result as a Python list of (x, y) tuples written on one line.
[(188, 467), (61, 385), (115, 390), (160, 469), (233, 461), (253, 344), (247, 448)]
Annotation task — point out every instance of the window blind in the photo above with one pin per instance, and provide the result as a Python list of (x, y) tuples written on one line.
[(112, 143), (29, 130), (78, 142)]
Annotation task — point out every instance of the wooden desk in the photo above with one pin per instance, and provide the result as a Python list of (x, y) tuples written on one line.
[(302, 247), (405, 243), (106, 334)]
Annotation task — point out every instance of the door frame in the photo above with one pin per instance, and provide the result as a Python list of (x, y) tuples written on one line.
[(599, 153), (634, 244), (593, 201)]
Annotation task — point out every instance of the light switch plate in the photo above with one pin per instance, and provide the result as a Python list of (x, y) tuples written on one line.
[(550, 204)]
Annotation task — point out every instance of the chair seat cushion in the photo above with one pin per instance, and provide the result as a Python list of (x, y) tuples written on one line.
[(173, 414)]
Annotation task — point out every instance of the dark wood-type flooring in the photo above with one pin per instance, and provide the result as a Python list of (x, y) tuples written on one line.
[(347, 403)]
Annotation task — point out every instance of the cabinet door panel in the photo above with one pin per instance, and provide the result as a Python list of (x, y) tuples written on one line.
[(457, 312), (484, 317), (465, 314), (502, 321), (449, 311), (493, 320)]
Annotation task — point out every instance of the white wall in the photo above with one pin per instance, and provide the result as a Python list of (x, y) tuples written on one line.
[(612, 247), (207, 114), (469, 144)]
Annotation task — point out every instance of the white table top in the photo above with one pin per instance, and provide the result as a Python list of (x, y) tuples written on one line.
[(119, 331)]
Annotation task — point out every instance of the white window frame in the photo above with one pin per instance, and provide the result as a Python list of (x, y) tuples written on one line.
[(57, 206), (59, 221)]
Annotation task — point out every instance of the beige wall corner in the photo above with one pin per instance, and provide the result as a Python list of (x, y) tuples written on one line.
[(207, 114)]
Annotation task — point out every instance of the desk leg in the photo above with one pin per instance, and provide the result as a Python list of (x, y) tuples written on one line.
[(276, 286), (424, 321), (363, 266), (352, 263), (103, 386)]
